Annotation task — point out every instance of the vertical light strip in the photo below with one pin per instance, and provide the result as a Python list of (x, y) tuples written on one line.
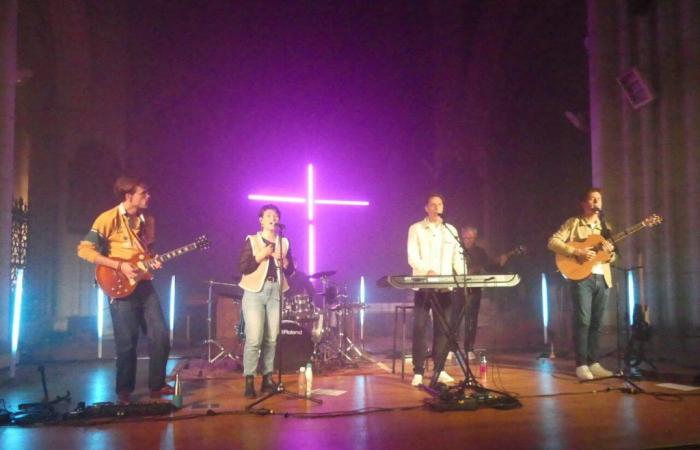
[(312, 250), (545, 306), (100, 320), (310, 217), (310, 192), (362, 309), (16, 319), (172, 307), (630, 297)]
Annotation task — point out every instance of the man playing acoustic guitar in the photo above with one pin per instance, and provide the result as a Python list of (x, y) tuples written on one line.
[(119, 234), (590, 294)]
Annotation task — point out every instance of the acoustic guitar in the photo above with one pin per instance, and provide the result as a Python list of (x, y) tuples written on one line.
[(116, 285), (573, 269)]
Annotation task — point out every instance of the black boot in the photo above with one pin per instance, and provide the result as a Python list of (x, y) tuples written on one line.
[(267, 384), (250, 386)]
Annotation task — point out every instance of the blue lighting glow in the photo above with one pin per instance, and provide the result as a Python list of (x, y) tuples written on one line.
[(545, 306), (172, 307), (100, 312), (17, 312), (631, 300), (100, 320)]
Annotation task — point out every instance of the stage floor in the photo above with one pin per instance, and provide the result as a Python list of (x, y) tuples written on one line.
[(371, 408)]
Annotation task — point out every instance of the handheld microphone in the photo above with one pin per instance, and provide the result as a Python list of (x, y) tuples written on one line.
[(281, 226)]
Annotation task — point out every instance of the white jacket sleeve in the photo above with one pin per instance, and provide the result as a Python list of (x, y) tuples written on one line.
[(413, 249)]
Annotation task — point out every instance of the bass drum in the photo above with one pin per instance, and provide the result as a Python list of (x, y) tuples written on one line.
[(294, 347)]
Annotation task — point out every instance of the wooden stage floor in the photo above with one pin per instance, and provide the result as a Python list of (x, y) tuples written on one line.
[(375, 410)]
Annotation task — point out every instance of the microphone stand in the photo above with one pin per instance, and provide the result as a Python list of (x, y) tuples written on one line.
[(622, 373), (454, 399), (469, 378), (280, 389)]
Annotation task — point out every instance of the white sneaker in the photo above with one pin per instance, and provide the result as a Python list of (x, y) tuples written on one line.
[(599, 371), (471, 356), (445, 378), (584, 373), (417, 380)]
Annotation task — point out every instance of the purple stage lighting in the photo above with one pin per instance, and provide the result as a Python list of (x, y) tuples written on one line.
[(310, 212)]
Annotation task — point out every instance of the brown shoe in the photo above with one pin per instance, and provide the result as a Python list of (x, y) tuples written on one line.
[(165, 390)]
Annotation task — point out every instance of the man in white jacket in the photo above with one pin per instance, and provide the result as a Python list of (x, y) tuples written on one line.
[(433, 249)]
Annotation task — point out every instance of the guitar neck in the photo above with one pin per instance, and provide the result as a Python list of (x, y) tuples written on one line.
[(172, 254), (626, 232)]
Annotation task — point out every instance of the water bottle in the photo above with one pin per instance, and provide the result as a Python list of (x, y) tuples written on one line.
[(309, 379), (302, 381), (483, 366), (177, 395)]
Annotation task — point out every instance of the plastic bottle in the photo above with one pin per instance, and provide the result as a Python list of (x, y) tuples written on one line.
[(483, 366), (309, 379), (177, 396), (302, 381)]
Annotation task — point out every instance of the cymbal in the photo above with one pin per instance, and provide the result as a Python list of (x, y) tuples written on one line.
[(326, 273)]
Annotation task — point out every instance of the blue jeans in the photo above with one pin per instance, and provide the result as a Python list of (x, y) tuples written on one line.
[(140, 311), (590, 297), (261, 316)]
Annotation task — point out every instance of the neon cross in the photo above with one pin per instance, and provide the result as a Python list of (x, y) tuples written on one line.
[(310, 202)]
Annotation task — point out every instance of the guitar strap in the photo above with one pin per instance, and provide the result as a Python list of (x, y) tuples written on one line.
[(604, 229), (136, 239)]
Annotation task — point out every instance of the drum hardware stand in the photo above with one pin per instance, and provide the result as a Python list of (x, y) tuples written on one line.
[(280, 389), (343, 350), (344, 340), (223, 353), (31, 413)]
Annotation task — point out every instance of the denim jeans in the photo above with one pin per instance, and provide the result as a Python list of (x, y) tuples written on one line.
[(140, 311), (590, 296), (261, 316), (420, 323)]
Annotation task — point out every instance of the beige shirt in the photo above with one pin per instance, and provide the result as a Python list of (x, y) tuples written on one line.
[(578, 229)]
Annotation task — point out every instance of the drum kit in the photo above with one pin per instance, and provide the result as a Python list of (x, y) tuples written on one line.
[(322, 334)]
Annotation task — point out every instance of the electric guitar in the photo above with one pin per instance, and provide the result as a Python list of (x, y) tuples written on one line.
[(519, 250), (573, 269), (116, 285)]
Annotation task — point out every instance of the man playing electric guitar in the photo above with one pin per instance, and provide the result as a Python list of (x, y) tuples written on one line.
[(118, 235), (480, 263), (590, 294)]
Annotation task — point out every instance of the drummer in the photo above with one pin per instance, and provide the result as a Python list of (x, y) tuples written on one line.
[(299, 284)]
